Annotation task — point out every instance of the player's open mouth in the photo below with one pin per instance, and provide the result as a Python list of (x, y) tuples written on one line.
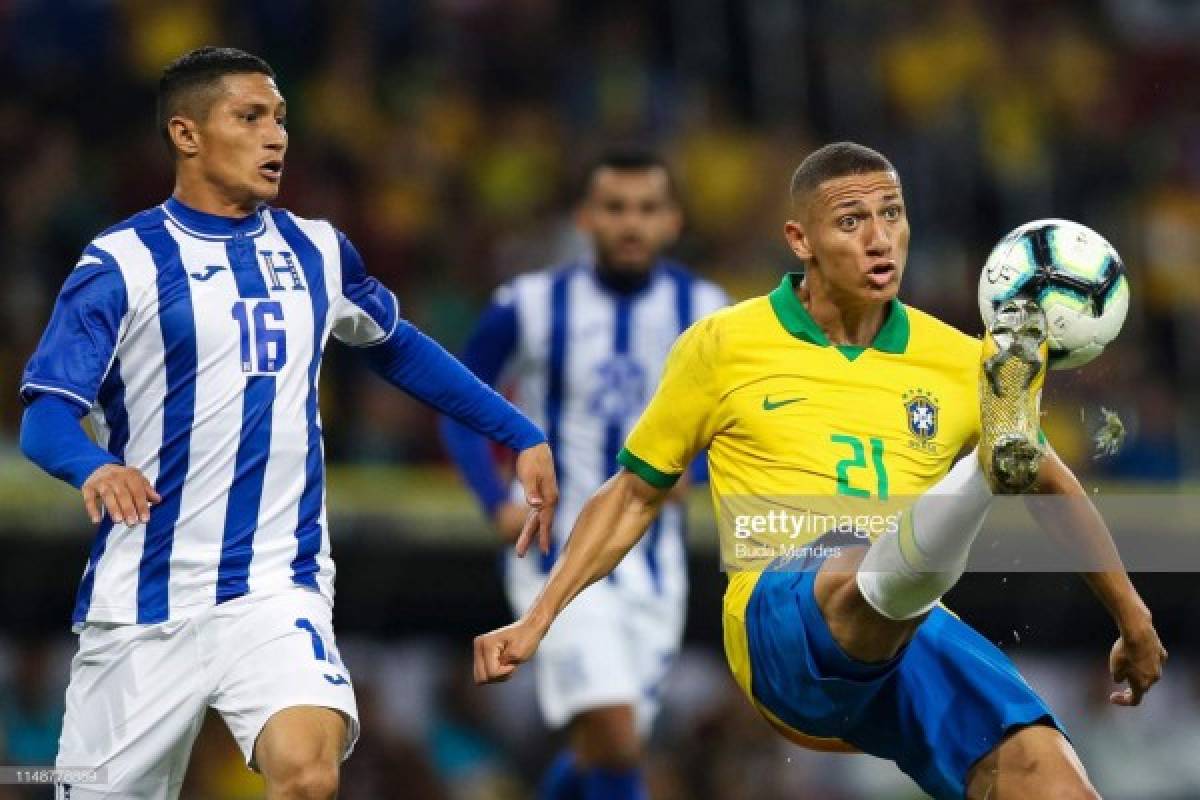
[(881, 274), (272, 170)]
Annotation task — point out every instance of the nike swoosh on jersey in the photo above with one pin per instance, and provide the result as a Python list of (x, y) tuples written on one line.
[(769, 406), (210, 270)]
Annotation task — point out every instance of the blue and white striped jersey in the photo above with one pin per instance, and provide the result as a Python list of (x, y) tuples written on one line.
[(583, 360), (195, 342)]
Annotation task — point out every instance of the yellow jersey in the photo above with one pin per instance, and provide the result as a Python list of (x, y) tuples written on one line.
[(785, 414)]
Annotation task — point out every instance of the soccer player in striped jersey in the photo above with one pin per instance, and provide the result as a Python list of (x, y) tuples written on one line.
[(830, 392), (583, 345), (191, 334)]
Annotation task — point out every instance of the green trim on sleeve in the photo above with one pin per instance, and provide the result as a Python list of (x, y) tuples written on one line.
[(659, 480), (1042, 440)]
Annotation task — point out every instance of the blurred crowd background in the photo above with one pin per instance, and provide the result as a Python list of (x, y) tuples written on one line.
[(446, 137)]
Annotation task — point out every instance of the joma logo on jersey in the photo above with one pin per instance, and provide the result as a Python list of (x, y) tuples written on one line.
[(921, 414), (282, 271)]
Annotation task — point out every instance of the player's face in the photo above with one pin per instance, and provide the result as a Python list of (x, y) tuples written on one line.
[(854, 232), (242, 142), (630, 216)]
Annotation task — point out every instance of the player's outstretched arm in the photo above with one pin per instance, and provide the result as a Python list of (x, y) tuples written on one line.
[(610, 524), (487, 353), (1138, 655), (410, 360)]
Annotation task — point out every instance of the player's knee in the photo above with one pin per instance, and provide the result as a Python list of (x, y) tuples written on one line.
[(903, 598), (1072, 788), (1032, 784), (1063, 779), (313, 780), (606, 739), (1035, 763)]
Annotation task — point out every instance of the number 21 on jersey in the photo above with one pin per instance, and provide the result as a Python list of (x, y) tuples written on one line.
[(858, 461)]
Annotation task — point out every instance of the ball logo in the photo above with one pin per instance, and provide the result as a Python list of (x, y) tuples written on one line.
[(1002, 273)]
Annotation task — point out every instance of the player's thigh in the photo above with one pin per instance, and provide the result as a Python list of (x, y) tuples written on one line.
[(134, 704), (861, 631), (655, 623), (301, 747), (585, 661), (1032, 763), (280, 654), (652, 623)]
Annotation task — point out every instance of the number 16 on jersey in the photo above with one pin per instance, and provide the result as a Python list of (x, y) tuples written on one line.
[(263, 348)]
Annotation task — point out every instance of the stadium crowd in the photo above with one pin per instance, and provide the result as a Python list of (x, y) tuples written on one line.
[(445, 138)]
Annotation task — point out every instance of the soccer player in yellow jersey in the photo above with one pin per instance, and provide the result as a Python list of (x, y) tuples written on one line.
[(829, 387)]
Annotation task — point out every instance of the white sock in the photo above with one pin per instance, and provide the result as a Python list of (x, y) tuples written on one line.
[(907, 571)]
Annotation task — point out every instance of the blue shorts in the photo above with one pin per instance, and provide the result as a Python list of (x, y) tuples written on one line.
[(941, 704)]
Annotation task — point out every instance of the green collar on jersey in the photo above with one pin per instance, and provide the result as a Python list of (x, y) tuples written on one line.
[(795, 319)]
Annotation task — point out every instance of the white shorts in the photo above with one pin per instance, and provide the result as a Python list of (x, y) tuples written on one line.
[(608, 647), (138, 693)]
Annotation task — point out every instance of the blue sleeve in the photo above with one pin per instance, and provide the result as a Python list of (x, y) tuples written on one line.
[(488, 349), (52, 438), (410, 360), (367, 312), (77, 346)]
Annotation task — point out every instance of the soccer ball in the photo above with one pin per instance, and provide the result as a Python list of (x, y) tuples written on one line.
[(1074, 274)]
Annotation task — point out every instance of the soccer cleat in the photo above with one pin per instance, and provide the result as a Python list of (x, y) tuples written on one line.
[(1012, 373)]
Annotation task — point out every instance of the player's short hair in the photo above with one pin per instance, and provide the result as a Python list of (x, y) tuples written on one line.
[(835, 160), (626, 158), (185, 80)]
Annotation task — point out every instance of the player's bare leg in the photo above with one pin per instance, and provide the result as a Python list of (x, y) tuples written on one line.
[(1015, 354), (862, 632), (606, 738), (1034, 763), (299, 753), (874, 598)]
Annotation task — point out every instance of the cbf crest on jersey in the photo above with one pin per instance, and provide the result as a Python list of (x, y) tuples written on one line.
[(921, 413)]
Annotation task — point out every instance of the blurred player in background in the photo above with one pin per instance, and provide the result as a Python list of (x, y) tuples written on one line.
[(583, 345), (192, 334), (831, 387)]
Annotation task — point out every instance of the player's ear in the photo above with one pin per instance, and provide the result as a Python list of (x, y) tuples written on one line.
[(583, 215), (184, 135), (797, 240), (675, 220)]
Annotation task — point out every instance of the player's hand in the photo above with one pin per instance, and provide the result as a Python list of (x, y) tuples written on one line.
[(499, 653), (122, 491), (1136, 658), (510, 519), (535, 471)]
